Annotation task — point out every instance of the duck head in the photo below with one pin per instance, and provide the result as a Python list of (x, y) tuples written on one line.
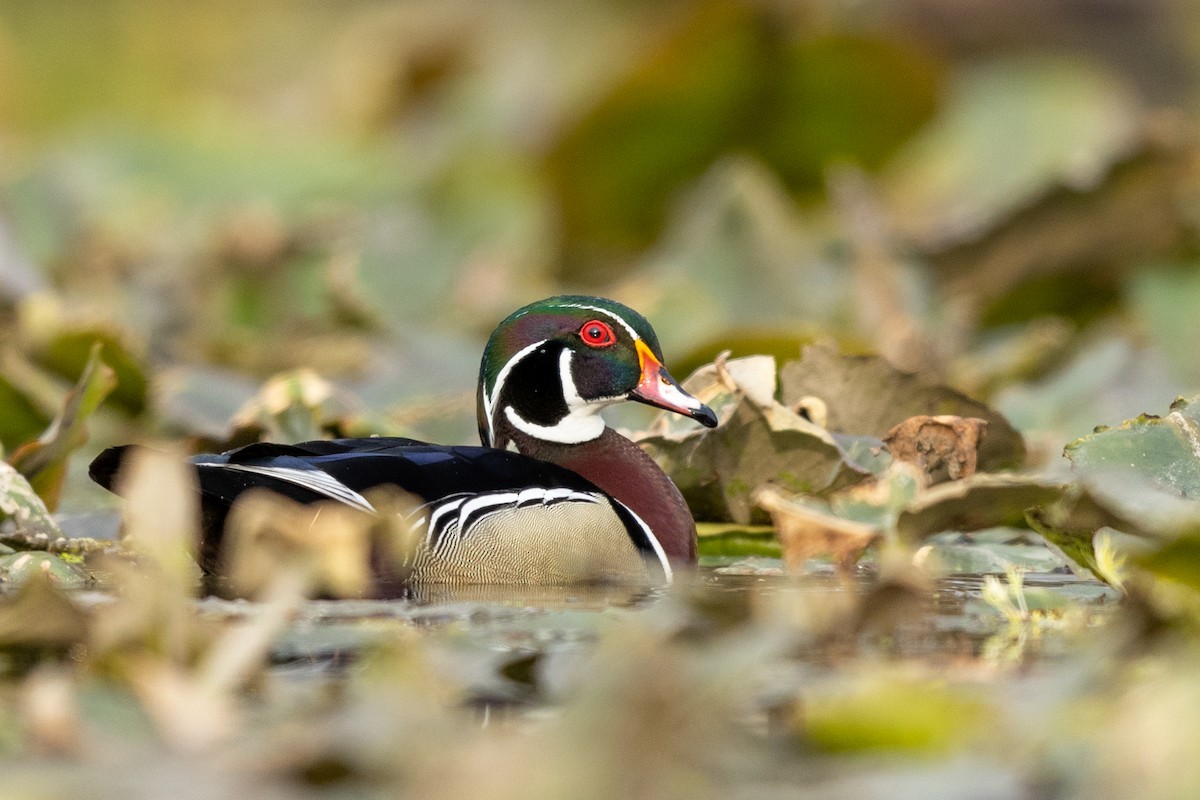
[(552, 365)]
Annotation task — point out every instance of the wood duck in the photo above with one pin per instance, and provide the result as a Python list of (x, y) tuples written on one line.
[(576, 501)]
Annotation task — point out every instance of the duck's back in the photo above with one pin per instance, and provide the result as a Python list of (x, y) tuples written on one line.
[(488, 515)]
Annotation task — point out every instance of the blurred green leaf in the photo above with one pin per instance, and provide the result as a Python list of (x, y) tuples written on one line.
[(676, 111), (44, 461), (895, 715), (20, 418), (730, 77), (1165, 298), (1163, 450), (70, 353), (1178, 560), (842, 98)]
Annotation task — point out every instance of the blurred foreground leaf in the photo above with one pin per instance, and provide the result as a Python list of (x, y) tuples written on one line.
[(888, 714), (40, 615)]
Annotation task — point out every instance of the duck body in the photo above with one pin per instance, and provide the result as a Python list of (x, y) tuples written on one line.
[(576, 501)]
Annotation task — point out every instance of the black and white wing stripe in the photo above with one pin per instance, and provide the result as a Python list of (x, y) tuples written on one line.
[(452, 519)]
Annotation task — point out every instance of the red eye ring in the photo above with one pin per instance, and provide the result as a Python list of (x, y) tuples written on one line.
[(597, 334)]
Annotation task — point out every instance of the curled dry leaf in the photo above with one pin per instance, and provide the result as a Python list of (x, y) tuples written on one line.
[(942, 446), (757, 442), (806, 532)]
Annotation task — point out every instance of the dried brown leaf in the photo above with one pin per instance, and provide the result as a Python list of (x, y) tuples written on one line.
[(942, 446), (807, 532)]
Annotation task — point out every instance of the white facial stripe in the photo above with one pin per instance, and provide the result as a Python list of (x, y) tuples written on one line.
[(489, 400), (581, 424), (629, 328)]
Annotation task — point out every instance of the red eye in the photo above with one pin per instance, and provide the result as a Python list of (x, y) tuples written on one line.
[(597, 334)]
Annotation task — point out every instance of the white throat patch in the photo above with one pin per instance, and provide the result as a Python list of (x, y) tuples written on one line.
[(582, 422)]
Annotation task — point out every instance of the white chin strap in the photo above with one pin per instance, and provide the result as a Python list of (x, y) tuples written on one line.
[(582, 423)]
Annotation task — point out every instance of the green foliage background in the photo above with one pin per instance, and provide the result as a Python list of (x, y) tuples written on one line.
[(340, 200)]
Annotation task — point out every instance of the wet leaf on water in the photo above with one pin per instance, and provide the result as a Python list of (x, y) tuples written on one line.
[(720, 542), (1071, 523), (865, 395), (943, 447), (18, 568), (21, 504), (994, 550), (44, 460)]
